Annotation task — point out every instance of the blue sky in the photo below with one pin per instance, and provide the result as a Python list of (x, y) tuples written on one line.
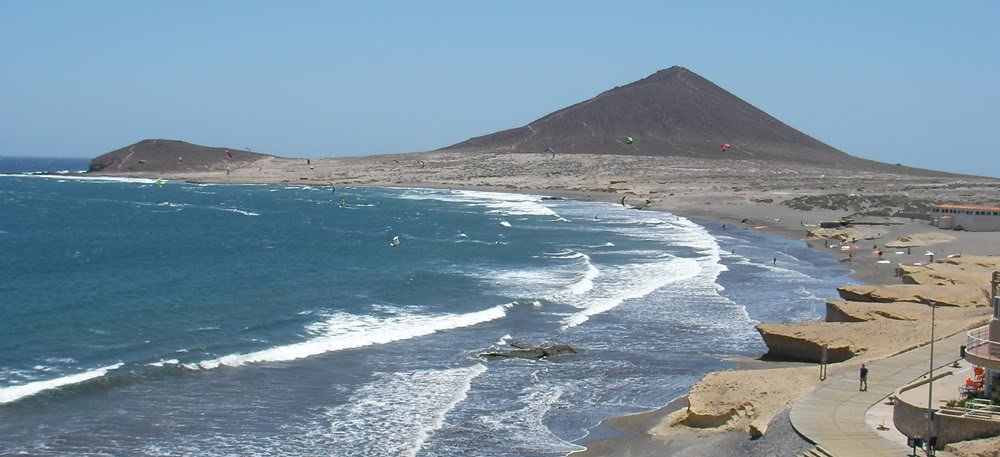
[(914, 82)]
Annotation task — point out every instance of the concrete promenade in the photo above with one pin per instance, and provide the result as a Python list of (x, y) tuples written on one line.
[(833, 416)]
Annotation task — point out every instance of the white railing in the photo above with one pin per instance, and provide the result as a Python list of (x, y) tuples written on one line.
[(979, 343), (982, 408)]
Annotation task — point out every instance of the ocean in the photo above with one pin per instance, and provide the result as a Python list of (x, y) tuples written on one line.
[(170, 318)]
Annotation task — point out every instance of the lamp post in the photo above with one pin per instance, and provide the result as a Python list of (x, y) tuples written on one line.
[(930, 387)]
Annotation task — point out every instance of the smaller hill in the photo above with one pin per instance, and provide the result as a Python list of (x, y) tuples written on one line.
[(167, 156)]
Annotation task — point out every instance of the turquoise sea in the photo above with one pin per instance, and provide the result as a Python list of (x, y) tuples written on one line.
[(189, 319)]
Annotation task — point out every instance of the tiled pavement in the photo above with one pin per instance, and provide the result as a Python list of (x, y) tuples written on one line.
[(833, 416)]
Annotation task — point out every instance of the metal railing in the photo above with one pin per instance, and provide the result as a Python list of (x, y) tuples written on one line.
[(979, 344)]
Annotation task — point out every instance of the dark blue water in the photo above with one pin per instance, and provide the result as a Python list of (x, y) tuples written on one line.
[(42, 165), (176, 319)]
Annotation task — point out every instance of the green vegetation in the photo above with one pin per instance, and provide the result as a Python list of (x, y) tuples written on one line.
[(861, 205)]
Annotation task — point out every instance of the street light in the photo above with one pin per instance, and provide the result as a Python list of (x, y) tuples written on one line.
[(930, 386)]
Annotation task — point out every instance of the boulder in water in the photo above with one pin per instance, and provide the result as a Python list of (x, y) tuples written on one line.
[(534, 352)]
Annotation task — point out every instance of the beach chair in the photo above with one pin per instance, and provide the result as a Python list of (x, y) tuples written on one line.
[(965, 392), (969, 389)]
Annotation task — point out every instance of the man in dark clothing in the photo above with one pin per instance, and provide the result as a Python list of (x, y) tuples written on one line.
[(864, 378)]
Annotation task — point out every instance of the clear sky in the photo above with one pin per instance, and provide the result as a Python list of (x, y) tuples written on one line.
[(915, 82)]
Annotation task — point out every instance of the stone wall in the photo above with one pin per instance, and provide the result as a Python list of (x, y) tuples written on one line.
[(911, 420)]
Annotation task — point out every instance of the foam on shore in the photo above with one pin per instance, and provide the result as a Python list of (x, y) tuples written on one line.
[(14, 393)]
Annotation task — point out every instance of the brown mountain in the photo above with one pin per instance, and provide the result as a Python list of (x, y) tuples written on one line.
[(673, 112), (162, 156)]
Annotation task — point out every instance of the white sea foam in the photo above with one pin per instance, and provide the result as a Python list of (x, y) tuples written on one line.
[(503, 340), (808, 295), (398, 412), (60, 360), (586, 282), (628, 283), (163, 362), (622, 283), (347, 331), (9, 394), (83, 178), (497, 203), (526, 425), (505, 223), (240, 211)]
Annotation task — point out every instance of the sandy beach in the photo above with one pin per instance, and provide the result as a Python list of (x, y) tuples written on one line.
[(880, 318)]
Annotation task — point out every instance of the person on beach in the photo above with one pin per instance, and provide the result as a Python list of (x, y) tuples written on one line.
[(864, 378)]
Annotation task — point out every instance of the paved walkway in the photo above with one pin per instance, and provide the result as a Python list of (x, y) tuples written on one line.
[(833, 416)]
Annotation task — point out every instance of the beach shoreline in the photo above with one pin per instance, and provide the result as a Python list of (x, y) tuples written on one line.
[(742, 196)]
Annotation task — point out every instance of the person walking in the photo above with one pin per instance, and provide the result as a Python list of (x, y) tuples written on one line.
[(864, 378)]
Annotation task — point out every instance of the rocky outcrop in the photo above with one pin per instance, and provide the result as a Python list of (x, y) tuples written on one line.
[(534, 352), (800, 342), (839, 311), (852, 311), (944, 295), (965, 270), (890, 326), (849, 234), (920, 239), (744, 401)]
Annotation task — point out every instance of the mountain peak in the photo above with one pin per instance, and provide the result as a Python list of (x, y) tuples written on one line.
[(667, 73), (673, 112)]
